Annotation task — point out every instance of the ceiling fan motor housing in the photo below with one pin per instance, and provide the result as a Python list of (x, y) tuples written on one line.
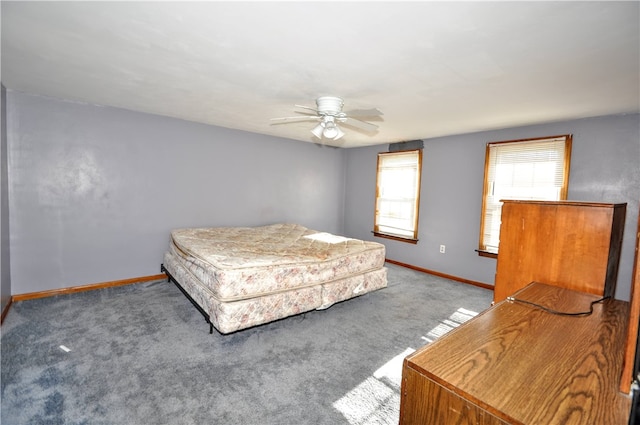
[(329, 105)]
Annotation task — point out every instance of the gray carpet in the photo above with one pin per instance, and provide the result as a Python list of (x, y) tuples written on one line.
[(142, 354)]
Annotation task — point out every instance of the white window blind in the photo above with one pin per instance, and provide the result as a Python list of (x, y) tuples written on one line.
[(526, 170), (397, 193)]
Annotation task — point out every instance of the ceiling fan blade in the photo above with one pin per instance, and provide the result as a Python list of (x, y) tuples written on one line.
[(307, 107), (373, 112), (366, 126), (284, 120), (305, 113)]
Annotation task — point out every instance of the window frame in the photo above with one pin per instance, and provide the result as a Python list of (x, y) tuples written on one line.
[(483, 249), (416, 200)]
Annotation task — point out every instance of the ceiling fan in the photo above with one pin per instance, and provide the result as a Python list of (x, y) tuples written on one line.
[(329, 113)]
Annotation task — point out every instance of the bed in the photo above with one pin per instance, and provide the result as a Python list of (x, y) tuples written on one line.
[(239, 277)]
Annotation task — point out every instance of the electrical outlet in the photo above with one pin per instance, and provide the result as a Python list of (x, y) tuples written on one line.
[(442, 247)]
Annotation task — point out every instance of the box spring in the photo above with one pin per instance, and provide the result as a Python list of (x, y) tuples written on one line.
[(230, 316)]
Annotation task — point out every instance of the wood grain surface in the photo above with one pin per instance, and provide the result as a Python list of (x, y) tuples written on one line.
[(568, 244), (523, 365), (634, 318)]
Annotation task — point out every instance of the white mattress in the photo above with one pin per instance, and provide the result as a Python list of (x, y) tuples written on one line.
[(236, 263)]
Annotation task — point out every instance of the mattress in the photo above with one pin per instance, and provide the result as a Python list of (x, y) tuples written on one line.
[(270, 259), (246, 276)]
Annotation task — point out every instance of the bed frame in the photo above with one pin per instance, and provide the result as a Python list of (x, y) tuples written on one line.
[(170, 278)]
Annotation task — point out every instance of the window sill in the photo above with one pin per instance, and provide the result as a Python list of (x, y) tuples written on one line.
[(488, 254), (395, 238)]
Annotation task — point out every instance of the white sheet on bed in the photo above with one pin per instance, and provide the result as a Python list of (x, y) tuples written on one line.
[(327, 237)]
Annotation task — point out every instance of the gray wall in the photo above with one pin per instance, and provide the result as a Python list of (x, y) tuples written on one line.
[(95, 191), (604, 168), (5, 267)]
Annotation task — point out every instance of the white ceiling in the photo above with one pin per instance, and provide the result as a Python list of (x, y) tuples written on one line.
[(432, 68)]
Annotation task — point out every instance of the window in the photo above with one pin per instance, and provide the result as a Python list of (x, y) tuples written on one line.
[(533, 169), (398, 195)]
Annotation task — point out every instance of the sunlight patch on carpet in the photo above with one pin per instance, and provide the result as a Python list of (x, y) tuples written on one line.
[(371, 402), (391, 371), (458, 317), (376, 400)]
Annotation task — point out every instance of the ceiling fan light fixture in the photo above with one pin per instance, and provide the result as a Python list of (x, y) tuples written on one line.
[(317, 130), (328, 129), (332, 132)]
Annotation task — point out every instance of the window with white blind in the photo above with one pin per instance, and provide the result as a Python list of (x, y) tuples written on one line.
[(533, 169), (398, 195)]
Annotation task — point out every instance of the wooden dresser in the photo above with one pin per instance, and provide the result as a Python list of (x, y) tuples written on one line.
[(517, 364), (574, 245)]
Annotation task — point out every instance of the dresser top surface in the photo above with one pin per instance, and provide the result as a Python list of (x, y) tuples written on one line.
[(526, 365), (566, 203)]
